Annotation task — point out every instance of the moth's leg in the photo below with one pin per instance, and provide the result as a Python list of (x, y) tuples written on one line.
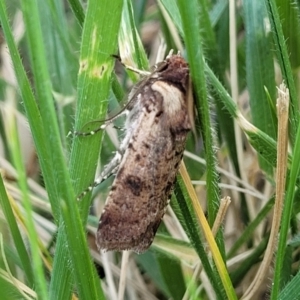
[(101, 127), (135, 70), (92, 132), (119, 128), (109, 170)]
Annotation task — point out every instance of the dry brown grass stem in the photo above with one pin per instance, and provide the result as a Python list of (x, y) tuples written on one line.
[(282, 154)]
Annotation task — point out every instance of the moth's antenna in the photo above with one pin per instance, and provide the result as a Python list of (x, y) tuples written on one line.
[(170, 54)]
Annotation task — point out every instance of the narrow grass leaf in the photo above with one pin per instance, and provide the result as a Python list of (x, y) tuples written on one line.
[(78, 10), (96, 63), (173, 11), (87, 286), (292, 289), (209, 236), (260, 71), (289, 17), (264, 144), (189, 222), (16, 234), (171, 273), (59, 49), (194, 50), (36, 257), (285, 66), (131, 48)]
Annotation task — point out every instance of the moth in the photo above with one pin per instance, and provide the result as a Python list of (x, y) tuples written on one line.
[(158, 121)]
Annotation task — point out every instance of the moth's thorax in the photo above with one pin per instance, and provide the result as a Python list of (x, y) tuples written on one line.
[(173, 98)]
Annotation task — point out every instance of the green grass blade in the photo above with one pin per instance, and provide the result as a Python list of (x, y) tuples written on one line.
[(131, 49), (289, 17), (292, 289), (44, 96), (195, 55), (129, 41), (171, 272), (190, 224), (263, 144), (217, 11), (61, 61), (96, 65), (78, 10), (260, 72), (30, 105), (174, 13), (87, 286), (16, 235), (285, 66), (15, 150)]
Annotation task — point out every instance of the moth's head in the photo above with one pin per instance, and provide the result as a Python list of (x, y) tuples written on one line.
[(176, 71)]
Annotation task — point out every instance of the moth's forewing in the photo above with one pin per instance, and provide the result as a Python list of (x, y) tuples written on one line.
[(157, 126)]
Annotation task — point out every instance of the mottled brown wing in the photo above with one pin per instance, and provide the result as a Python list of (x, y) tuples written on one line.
[(143, 184)]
